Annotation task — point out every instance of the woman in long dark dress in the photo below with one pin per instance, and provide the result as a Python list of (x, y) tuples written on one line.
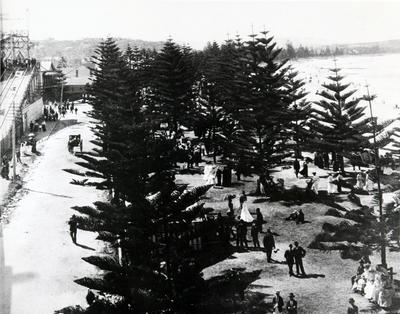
[(304, 171)]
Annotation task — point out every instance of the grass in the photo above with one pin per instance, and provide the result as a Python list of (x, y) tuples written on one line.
[(327, 290)]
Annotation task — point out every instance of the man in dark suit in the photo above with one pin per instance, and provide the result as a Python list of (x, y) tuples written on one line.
[(299, 254), (269, 244), (290, 259), (277, 301), (296, 166), (291, 305)]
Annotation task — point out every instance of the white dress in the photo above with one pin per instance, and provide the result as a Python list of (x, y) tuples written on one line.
[(245, 214), (315, 184), (360, 182), (331, 186), (378, 287), (369, 287), (369, 184)]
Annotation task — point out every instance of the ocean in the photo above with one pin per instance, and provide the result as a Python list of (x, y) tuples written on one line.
[(381, 73)]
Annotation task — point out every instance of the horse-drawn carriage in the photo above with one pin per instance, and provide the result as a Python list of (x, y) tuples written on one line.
[(74, 141)]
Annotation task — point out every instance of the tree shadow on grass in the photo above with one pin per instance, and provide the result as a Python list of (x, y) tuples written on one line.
[(260, 200), (84, 247)]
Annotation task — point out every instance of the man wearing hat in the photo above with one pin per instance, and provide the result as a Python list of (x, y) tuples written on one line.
[(289, 256), (299, 254), (277, 301), (269, 244), (291, 305), (352, 309)]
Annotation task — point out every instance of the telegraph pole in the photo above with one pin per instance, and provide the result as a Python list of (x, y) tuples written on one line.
[(369, 98), (14, 155), (62, 89)]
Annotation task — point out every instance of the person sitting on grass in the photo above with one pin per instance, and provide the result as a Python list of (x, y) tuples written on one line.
[(300, 217), (293, 216), (297, 216)]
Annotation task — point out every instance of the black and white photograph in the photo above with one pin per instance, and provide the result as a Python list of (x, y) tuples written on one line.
[(199, 156)]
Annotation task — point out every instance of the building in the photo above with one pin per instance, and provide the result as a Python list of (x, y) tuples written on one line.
[(76, 80)]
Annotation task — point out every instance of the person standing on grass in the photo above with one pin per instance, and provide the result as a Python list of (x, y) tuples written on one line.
[(289, 257), (259, 220), (353, 308), (73, 228), (291, 305), (330, 185), (219, 176), (230, 203), (254, 234), (315, 183), (304, 171), (277, 302), (299, 254), (339, 179), (269, 244), (296, 167), (242, 199)]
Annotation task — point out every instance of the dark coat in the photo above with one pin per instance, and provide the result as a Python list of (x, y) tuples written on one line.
[(278, 301), (289, 256), (291, 306), (269, 241), (299, 253)]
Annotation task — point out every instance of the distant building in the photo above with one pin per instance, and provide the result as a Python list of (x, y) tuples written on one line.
[(77, 78)]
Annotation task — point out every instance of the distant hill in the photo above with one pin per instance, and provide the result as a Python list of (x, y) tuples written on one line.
[(75, 51), (385, 46)]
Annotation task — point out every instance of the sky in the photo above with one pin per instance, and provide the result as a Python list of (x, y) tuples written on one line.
[(195, 22)]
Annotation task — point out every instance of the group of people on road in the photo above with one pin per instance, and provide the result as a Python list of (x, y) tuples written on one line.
[(37, 126)]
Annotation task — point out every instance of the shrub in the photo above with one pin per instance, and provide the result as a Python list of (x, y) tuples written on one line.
[(333, 212)]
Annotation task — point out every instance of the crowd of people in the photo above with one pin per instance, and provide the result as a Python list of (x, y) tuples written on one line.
[(375, 283)]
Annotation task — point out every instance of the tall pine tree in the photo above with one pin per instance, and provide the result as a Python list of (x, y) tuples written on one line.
[(339, 121)]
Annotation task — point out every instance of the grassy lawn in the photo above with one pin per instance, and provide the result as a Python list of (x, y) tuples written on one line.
[(327, 287)]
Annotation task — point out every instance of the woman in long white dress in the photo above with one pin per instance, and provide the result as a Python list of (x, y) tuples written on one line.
[(378, 287), (369, 184), (369, 274), (245, 214), (331, 186)]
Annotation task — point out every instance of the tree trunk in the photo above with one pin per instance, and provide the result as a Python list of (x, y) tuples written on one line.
[(214, 145)]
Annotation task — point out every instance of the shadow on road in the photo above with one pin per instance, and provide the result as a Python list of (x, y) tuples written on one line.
[(7, 279)]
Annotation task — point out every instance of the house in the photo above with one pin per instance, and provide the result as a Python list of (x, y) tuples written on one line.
[(76, 81)]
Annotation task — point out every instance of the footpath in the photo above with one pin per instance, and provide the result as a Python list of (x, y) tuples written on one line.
[(8, 188), (38, 261)]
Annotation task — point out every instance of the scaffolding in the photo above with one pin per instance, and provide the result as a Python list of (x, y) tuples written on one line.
[(15, 47)]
